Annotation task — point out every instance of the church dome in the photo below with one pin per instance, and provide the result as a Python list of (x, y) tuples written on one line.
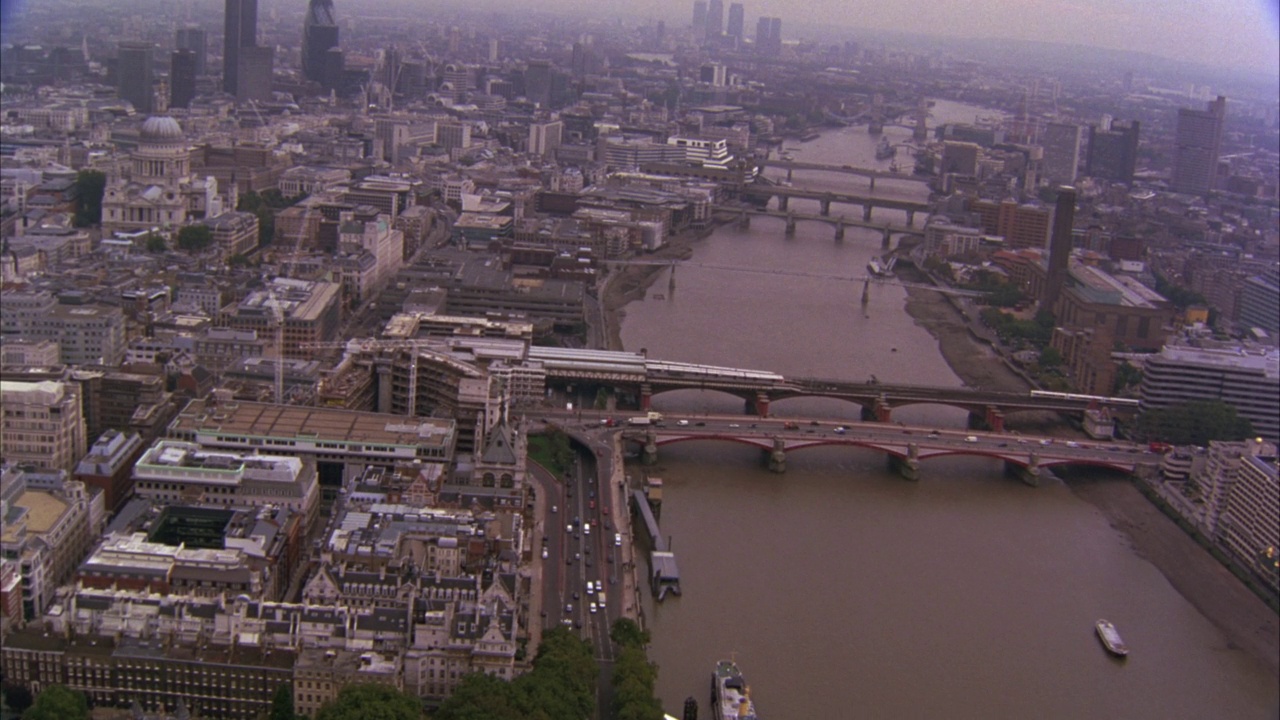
[(161, 128)]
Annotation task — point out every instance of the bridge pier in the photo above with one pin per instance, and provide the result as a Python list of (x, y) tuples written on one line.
[(911, 218), (866, 212), (783, 202), (649, 456), (873, 183), (1029, 474), (840, 230), (909, 466), (761, 405), (744, 221), (825, 205), (788, 174), (995, 418), (777, 457), (866, 291), (646, 396), (791, 224), (885, 236)]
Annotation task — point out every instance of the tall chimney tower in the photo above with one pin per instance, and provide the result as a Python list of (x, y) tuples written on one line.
[(1064, 214)]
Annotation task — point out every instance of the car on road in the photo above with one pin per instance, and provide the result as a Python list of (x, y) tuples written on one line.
[(971, 439), (604, 509), (617, 539), (593, 607), (1073, 444), (575, 595), (568, 527), (933, 435), (544, 553), (814, 423), (1046, 441), (591, 504), (577, 556), (682, 422), (840, 430), (734, 425), (700, 424), (568, 608), (555, 509)]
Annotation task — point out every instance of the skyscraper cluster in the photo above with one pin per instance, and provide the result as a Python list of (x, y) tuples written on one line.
[(769, 36)]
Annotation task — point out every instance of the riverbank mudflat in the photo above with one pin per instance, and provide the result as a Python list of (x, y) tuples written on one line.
[(1248, 624), (632, 282)]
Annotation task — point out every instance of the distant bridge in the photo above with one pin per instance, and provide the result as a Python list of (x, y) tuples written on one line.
[(765, 192)]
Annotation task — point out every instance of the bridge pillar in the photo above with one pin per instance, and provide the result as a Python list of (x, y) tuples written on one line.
[(778, 456), (995, 418), (646, 396), (791, 224), (840, 230), (866, 213), (788, 174), (825, 205), (866, 293), (649, 456), (883, 412), (909, 466), (1029, 473), (873, 183), (782, 202), (885, 237), (911, 218), (761, 407), (744, 221)]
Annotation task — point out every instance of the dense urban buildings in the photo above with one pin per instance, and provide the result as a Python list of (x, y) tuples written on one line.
[(278, 321)]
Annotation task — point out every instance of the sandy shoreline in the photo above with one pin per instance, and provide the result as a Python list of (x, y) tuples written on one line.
[(1247, 622)]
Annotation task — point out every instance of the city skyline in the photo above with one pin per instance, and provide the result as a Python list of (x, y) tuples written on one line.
[(1214, 33)]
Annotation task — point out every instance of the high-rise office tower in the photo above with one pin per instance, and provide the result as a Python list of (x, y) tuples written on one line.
[(256, 69), (1197, 142), (537, 82), (133, 74), (182, 78), (197, 41), (775, 36), (319, 33), (1113, 151), (699, 18), (240, 30), (736, 20), (1064, 215), (1061, 144), (762, 36), (715, 18)]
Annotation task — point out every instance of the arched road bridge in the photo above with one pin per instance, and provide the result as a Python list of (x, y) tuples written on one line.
[(906, 448)]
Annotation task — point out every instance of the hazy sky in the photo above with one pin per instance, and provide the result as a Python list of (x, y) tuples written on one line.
[(1233, 33)]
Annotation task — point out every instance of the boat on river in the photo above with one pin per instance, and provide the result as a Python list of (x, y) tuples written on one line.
[(1111, 639), (884, 150), (730, 696)]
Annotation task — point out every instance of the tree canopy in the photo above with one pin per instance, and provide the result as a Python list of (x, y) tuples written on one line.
[(1193, 423), (371, 701), (561, 686), (58, 702), (195, 238)]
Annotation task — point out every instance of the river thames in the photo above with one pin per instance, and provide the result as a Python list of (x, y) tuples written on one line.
[(845, 591)]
